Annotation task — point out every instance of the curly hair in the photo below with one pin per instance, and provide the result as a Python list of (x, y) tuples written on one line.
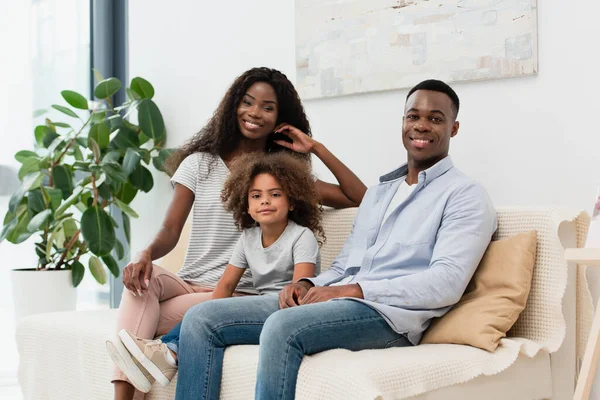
[(294, 176), (221, 135)]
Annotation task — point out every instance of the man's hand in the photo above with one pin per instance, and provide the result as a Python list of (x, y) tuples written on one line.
[(292, 294), (320, 294)]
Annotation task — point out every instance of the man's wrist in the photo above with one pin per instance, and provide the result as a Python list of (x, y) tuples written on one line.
[(306, 283), (354, 290)]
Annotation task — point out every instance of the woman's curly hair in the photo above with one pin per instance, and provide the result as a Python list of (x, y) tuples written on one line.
[(294, 176), (221, 135)]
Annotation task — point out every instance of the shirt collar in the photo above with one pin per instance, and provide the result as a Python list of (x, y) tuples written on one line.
[(427, 176)]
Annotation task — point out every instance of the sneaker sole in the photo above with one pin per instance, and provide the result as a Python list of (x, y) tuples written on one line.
[(128, 367), (135, 351)]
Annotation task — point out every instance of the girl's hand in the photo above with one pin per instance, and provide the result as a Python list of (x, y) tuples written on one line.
[(302, 143), (138, 269)]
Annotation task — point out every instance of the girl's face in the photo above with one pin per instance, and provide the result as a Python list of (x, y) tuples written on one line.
[(257, 112), (267, 202)]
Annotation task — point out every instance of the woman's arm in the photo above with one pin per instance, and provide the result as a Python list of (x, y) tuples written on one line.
[(228, 282), (349, 192), (140, 268)]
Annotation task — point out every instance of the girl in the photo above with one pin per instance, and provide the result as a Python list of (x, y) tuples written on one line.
[(260, 102), (275, 192)]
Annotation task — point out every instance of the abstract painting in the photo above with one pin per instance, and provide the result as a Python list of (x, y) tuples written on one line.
[(356, 46)]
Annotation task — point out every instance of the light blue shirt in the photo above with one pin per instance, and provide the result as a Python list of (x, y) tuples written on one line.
[(416, 265)]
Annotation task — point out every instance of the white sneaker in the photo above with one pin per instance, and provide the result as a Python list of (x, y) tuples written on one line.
[(139, 377)]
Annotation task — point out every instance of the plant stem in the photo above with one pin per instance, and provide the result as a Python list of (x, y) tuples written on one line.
[(95, 189), (70, 143), (67, 248)]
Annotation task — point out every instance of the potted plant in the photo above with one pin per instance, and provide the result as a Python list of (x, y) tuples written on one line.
[(75, 175)]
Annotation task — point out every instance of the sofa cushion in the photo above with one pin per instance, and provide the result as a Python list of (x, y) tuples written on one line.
[(494, 298)]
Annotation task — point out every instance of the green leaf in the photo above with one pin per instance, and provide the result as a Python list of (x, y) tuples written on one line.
[(69, 227), (151, 121), (112, 156), (126, 209), (63, 180), (146, 156), (61, 124), (98, 116), (36, 222), (131, 161), (40, 132), (127, 193), (98, 231), (51, 240), (25, 154), (72, 199), (82, 166), (49, 139), (114, 171), (119, 249), (19, 232), (112, 265), (64, 110), (142, 87), (77, 152), (163, 155), (75, 99), (141, 178), (31, 164), (104, 191), (35, 201), (8, 227), (94, 147), (132, 95), (97, 270), (100, 134), (77, 272), (55, 196), (125, 138), (39, 112), (106, 88), (30, 182), (126, 227)]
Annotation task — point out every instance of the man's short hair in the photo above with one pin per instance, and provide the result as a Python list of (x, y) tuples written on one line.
[(438, 86)]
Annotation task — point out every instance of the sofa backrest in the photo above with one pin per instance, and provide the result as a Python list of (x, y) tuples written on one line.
[(542, 320)]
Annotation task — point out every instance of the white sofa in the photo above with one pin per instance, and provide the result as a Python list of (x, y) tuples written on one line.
[(63, 354)]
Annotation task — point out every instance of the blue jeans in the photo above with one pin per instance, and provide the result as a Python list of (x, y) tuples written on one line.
[(285, 336), (171, 339)]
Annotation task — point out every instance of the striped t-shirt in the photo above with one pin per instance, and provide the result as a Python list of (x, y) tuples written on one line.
[(213, 233)]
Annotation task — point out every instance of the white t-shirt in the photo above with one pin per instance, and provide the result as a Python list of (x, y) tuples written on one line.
[(273, 266), (214, 233), (402, 193)]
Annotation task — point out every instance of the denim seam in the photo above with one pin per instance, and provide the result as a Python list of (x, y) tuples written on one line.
[(295, 334), (212, 348)]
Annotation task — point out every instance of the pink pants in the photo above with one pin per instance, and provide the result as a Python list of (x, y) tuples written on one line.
[(160, 308)]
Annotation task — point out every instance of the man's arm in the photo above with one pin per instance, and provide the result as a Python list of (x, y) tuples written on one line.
[(467, 226)]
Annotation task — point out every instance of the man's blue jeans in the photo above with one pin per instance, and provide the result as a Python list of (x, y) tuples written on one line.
[(285, 336)]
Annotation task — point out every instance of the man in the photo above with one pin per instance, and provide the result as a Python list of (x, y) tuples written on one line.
[(417, 240)]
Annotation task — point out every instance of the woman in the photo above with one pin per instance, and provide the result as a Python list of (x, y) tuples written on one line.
[(260, 105)]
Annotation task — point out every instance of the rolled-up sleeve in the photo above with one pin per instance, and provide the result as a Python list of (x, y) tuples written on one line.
[(467, 225)]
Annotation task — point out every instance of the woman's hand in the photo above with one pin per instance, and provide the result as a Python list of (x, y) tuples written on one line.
[(302, 143), (140, 267)]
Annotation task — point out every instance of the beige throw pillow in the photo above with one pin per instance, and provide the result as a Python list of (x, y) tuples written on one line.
[(494, 298)]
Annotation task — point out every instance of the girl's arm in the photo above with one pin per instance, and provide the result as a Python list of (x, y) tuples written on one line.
[(303, 270), (349, 192), (228, 282)]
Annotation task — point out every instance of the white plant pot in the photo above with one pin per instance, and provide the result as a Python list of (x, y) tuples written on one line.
[(36, 292)]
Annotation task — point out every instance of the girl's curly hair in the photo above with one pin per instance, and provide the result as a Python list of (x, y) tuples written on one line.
[(294, 176), (221, 135)]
